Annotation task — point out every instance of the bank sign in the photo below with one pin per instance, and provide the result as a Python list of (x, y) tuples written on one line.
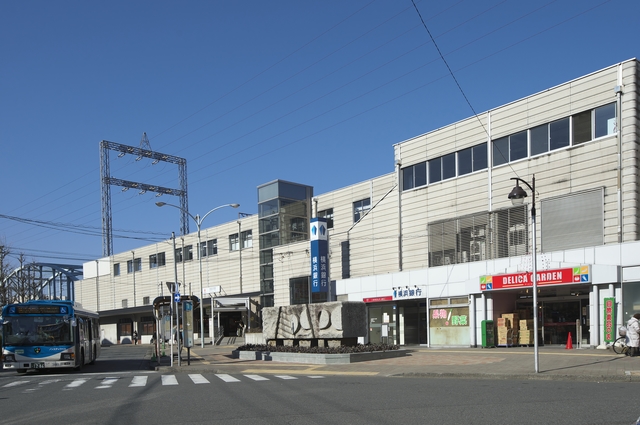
[(319, 255), (579, 274)]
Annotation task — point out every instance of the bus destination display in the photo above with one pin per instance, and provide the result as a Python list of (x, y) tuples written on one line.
[(38, 309)]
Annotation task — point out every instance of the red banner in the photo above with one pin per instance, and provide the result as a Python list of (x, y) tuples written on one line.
[(546, 277), (377, 299)]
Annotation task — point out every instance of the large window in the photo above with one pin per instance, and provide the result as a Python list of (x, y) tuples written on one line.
[(360, 208), (472, 159), (135, 264), (246, 239), (327, 215), (157, 260), (414, 176), (233, 242), (510, 148), (442, 168)]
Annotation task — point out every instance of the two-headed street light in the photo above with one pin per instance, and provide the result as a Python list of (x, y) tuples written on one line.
[(198, 220)]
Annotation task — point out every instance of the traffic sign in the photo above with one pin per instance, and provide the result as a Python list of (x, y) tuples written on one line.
[(176, 297)]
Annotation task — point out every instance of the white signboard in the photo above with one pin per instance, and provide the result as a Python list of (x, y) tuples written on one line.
[(211, 290)]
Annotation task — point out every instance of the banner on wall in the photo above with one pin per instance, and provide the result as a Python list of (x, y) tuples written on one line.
[(579, 274), (609, 319)]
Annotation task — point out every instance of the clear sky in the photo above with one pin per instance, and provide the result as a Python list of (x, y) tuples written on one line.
[(314, 92)]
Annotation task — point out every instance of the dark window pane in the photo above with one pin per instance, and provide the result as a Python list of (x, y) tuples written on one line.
[(559, 134), (518, 146), (420, 174), (582, 127), (480, 157), (606, 120), (465, 161), (435, 170), (500, 151), (449, 166), (407, 178), (540, 139)]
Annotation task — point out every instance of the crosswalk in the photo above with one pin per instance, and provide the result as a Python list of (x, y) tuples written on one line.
[(28, 385)]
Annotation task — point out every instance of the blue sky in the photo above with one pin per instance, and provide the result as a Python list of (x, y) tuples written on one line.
[(315, 92)]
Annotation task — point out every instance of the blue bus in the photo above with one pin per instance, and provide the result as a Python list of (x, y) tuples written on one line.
[(48, 335)]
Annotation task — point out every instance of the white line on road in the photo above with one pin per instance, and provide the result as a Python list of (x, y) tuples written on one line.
[(257, 377), (138, 381), (169, 380), (285, 377), (198, 379), (75, 383), (227, 378), (107, 383)]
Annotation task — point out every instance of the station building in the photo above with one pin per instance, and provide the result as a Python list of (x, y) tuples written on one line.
[(434, 247)]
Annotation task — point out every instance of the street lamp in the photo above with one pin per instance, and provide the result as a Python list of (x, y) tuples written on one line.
[(517, 196), (199, 221)]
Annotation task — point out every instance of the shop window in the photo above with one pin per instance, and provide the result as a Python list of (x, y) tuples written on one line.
[(449, 312), (147, 325)]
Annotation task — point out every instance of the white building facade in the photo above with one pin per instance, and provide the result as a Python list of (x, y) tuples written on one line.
[(435, 247)]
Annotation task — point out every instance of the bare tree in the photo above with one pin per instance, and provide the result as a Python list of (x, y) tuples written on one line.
[(5, 270)]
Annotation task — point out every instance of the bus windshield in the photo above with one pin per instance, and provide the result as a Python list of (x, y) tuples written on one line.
[(36, 330)]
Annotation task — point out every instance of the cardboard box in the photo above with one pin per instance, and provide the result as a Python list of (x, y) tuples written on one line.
[(526, 337), (504, 322), (503, 331), (513, 317), (526, 324)]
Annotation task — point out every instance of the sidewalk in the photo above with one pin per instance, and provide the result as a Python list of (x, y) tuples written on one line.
[(555, 363)]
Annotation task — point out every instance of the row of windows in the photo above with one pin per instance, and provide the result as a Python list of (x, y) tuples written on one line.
[(579, 128), (569, 131), (444, 167), (207, 248)]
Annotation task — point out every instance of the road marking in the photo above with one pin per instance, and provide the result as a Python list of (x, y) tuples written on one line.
[(169, 380), (74, 384), (257, 377), (307, 371), (138, 381), (315, 377), (285, 377), (227, 378), (107, 383), (15, 384), (198, 379)]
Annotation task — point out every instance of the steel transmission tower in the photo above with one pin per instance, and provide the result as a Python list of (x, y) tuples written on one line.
[(106, 181)]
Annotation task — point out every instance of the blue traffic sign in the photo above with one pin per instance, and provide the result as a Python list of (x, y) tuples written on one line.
[(176, 297)]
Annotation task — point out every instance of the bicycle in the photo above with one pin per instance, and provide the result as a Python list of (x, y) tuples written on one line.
[(620, 346)]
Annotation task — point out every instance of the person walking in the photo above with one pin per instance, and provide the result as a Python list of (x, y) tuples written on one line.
[(135, 337), (633, 333)]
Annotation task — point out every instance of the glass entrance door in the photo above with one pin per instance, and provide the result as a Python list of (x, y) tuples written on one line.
[(559, 319), (379, 317)]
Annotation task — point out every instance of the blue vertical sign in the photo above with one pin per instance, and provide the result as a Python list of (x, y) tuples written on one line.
[(319, 255)]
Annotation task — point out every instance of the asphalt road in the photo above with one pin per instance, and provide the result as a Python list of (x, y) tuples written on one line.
[(129, 393)]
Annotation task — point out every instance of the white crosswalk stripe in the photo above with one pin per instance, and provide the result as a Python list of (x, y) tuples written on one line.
[(138, 381), (285, 377), (198, 379), (107, 383), (227, 378), (169, 380), (15, 384), (75, 383), (257, 377)]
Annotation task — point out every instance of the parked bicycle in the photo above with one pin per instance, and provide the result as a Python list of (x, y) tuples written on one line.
[(621, 345)]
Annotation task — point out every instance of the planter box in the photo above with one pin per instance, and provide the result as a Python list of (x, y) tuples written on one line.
[(316, 358)]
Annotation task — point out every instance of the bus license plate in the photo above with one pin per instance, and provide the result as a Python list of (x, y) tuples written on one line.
[(38, 365)]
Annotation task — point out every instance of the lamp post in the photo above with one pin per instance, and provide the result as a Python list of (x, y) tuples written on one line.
[(198, 220), (517, 196)]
